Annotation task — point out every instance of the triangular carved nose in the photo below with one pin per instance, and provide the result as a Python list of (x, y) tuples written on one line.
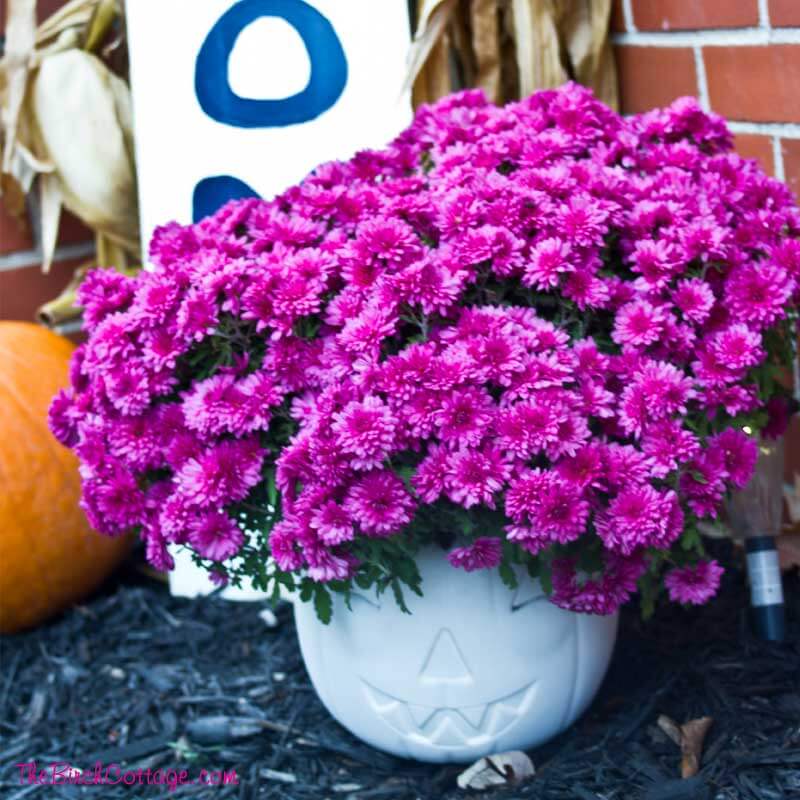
[(445, 662)]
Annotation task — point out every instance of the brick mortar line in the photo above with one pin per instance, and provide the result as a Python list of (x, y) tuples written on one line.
[(763, 14), (777, 159), (627, 14), (709, 37), (783, 130), (32, 258), (702, 78)]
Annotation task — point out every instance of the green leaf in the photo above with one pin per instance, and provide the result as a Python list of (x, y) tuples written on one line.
[(275, 596), (323, 604), (546, 579), (698, 477), (272, 489), (690, 539), (397, 591), (507, 575), (306, 590), (363, 580)]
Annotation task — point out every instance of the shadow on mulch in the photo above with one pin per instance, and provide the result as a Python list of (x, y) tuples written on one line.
[(142, 679)]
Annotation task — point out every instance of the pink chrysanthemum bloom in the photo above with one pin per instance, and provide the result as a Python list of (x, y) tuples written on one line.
[(757, 293), (584, 468), (637, 517), (600, 595), (464, 416), (560, 510), (434, 286), (549, 259), (379, 503), (529, 538), (223, 473), (323, 565), (216, 536), (332, 523), (198, 315), (156, 551), (668, 445), (284, 545), (475, 476), (655, 261), (639, 323), (694, 585), (431, 475), (739, 455), (694, 298), (366, 430), (103, 292), (483, 553), (703, 482), (737, 347)]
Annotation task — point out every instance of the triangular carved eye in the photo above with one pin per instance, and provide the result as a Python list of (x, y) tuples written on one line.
[(527, 592), (445, 663)]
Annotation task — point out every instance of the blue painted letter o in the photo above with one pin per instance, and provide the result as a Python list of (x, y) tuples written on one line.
[(328, 67)]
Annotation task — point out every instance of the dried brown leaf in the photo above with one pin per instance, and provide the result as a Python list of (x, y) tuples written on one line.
[(693, 735), (537, 44), (434, 17), (690, 738), (486, 47)]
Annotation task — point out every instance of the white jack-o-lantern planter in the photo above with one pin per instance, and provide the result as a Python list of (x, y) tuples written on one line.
[(475, 669)]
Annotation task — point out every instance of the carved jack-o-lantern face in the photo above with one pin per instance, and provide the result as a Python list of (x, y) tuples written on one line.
[(474, 669)]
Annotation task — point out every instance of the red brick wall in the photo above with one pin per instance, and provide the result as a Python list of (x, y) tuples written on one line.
[(741, 58), (23, 285)]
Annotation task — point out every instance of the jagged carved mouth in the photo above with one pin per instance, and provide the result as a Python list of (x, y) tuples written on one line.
[(453, 727)]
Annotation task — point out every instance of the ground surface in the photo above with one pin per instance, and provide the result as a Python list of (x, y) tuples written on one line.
[(143, 679)]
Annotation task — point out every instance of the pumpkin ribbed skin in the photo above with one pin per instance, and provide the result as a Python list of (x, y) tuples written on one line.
[(49, 556)]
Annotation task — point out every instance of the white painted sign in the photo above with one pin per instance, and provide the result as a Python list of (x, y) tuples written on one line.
[(244, 98), (258, 91)]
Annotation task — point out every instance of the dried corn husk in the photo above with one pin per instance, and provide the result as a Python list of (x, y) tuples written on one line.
[(63, 309), (510, 48), (81, 112), (66, 118)]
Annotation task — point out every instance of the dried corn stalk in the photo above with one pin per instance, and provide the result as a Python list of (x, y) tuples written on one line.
[(65, 118), (510, 48)]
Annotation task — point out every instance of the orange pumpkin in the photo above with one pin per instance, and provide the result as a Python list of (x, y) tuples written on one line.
[(49, 556)]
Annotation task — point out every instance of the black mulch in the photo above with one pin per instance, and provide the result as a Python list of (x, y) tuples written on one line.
[(149, 681)]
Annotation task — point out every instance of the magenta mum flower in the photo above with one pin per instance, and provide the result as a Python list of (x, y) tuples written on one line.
[(475, 476), (483, 553), (379, 503), (464, 415), (694, 585), (739, 454), (216, 536), (223, 473), (366, 430)]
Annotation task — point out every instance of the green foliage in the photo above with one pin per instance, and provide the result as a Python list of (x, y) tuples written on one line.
[(323, 605)]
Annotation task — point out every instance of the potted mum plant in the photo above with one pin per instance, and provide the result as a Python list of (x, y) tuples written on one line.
[(492, 375)]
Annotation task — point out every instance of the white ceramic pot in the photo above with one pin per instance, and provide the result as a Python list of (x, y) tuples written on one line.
[(475, 669)]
